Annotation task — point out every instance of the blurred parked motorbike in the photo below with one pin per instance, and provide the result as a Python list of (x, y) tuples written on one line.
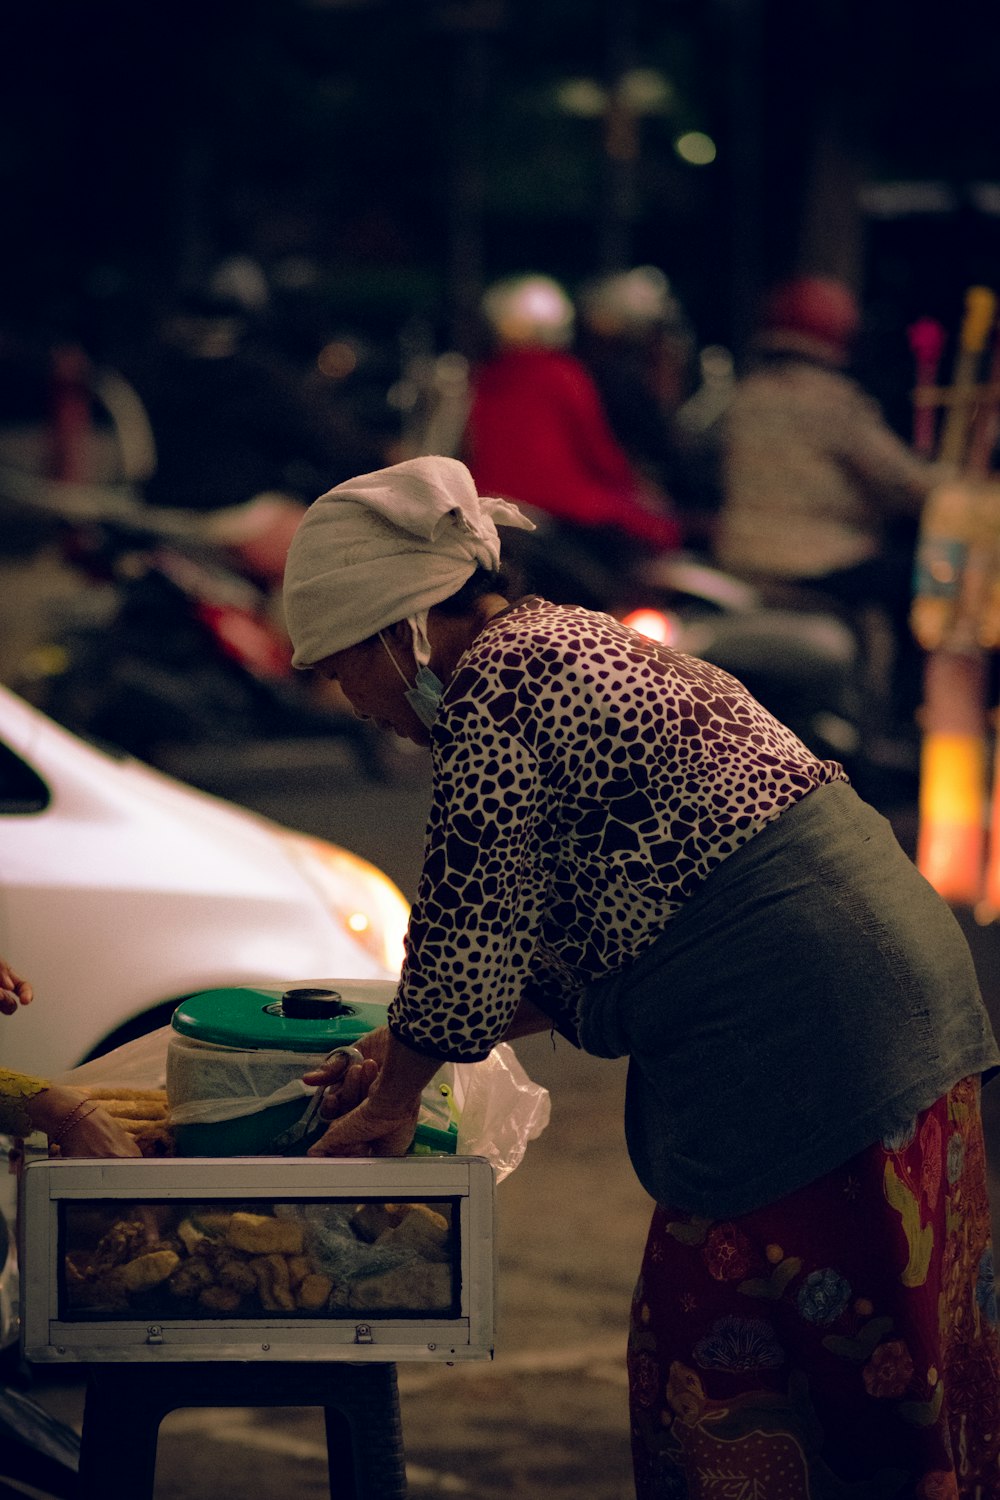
[(174, 642)]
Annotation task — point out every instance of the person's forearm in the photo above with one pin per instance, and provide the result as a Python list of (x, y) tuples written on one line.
[(403, 1074), (528, 1021), (78, 1125), (50, 1109)]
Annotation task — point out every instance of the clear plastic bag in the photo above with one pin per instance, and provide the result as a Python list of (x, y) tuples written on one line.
[(496, 1107), (500, 1109), (139, 1064)]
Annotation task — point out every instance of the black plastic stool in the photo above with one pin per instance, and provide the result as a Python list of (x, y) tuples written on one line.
[(125, 1404)]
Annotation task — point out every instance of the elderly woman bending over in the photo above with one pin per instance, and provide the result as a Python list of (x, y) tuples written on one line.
[(624, 846)]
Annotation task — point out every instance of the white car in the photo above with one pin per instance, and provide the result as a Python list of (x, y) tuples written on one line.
[(122, 891)]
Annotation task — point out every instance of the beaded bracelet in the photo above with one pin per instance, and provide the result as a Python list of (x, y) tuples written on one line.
[(71, 1120)]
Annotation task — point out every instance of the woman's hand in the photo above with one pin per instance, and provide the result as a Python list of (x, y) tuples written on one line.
[(78, 1125), (374, 1104), (372, 1129), (346, 1082), (14, 990)]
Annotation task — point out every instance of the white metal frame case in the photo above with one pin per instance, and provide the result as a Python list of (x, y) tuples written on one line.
[(50, 1334)]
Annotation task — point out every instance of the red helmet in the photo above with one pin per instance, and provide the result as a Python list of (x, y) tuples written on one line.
[(814, 314)]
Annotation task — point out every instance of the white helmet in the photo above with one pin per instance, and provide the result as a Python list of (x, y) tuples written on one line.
[(530, 309), (631, 302)]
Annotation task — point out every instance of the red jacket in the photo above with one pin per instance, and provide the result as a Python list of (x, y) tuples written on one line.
[(537, 433)]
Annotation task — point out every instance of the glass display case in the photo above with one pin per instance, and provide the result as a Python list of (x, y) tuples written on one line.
[(258, 1257)]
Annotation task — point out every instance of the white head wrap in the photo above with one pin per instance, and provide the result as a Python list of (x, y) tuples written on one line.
[(386, 547)]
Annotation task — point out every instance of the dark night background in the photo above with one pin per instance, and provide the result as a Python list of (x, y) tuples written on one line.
[(382, 159)]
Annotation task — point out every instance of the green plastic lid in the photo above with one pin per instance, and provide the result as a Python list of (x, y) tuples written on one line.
[(298, 1018)]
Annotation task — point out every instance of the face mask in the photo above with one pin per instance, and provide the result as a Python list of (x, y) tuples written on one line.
[(424, 697)]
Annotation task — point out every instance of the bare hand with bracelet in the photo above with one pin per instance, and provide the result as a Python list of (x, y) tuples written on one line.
[(75, 1124)]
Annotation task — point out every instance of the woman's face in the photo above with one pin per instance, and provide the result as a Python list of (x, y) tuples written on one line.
[(373, 686)]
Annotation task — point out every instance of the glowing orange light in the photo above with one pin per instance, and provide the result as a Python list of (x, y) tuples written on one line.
[(654, 624), (951, 837), (988, 909)]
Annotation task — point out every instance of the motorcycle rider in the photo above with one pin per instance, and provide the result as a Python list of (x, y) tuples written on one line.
[(818, 490), (229, 415), (639, 346), (537, 431), (813, 477)]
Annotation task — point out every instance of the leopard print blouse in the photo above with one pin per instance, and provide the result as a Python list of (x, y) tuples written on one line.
[(586, 781)]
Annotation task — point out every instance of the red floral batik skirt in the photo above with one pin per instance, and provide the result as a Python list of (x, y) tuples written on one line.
[(844, 1336)]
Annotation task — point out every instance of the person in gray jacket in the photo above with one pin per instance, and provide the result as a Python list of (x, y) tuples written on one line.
[(813, 476), (819, 496)]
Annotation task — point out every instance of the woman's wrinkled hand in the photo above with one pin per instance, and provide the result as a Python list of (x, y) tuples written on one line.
[(371, 1129), (14, 990), (367, 1119), (346, 1082)]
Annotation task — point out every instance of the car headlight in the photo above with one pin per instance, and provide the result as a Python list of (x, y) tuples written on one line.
[(369, 907)]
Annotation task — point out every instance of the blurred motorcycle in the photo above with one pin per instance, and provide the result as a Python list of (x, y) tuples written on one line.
[(174, 642)]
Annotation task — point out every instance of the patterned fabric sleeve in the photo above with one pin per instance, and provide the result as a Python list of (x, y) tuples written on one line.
[(586, 782), (15, 1090), (479, 905)]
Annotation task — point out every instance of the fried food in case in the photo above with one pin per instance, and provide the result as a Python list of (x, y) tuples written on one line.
[(314, 1260)]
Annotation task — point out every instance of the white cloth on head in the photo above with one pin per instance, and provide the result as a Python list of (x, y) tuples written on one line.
[(384, 547)]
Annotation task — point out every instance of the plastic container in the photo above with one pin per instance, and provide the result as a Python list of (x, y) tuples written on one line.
[(235, 1060)]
